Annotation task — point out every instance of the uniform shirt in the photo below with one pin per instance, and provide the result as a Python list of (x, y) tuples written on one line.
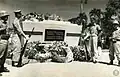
[(18, 26), (116, 34), (86, 31), (94, 29), (3, 25), (3, 30), (19, 30)]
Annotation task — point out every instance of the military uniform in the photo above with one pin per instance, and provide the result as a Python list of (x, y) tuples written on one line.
[(115, 45), (3, 41), (15, 46), (93, 41), (17, 39), (18, 24)]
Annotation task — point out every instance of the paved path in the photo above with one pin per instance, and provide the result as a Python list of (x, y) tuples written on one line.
[(74, 69)]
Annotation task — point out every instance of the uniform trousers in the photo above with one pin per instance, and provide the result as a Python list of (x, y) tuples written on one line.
[(3, 51), (114, 50)]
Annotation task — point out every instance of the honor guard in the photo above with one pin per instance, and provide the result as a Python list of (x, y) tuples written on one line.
[(17, 37), (3, 40)]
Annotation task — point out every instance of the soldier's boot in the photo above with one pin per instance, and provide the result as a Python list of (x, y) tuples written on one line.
[(14, 64), (95, 60), (118, 63), (111, 62), (3, 69)]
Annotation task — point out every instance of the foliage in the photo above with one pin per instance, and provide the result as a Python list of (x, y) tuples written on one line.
[(111, 9), (78, 53), (34, 49), (97, 13), (80, 19), (113, 4)]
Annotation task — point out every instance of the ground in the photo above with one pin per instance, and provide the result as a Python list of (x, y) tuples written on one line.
[(74, 69)]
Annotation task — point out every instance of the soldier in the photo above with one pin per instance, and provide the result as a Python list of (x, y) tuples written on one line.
[(17, 37), (3, 40), (94, 30), (18, 22), (115, 43), (85, 42)]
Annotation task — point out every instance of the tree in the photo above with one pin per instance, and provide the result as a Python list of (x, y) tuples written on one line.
[(114, 4), (112, 8), (97, 13)]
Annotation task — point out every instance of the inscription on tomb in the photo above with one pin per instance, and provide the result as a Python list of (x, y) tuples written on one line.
[(54, 35)]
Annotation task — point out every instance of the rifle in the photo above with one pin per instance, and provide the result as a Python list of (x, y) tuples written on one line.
[(23, 50)]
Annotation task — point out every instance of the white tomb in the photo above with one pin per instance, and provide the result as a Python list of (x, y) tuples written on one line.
[(71, 35)]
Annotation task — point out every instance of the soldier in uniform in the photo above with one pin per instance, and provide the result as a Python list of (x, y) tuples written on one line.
[(17, 37), (18, 22), (94, 30), (3, 40), (115, 43)]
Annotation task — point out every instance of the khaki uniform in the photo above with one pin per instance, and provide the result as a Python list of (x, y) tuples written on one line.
[(3, 44), (93, 41), (17, 40), (115, 46), (16, 47), (87, 33), (19, 25)]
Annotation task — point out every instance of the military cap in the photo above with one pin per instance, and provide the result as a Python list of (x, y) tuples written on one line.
[(17, 11), (3, 13)]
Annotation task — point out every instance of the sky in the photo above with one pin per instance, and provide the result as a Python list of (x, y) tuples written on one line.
[(64, 8)]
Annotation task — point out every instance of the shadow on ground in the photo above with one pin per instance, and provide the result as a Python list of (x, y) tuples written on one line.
[(108, 63)]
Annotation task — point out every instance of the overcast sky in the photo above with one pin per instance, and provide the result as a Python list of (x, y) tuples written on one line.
[(64, 8)]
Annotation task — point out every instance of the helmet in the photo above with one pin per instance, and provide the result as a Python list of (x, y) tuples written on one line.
[(3, 13)]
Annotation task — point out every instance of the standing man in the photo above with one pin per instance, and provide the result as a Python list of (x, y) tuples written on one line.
[(18, 23), (17, 37), (115, 43), (94, 30), (3, 40)]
